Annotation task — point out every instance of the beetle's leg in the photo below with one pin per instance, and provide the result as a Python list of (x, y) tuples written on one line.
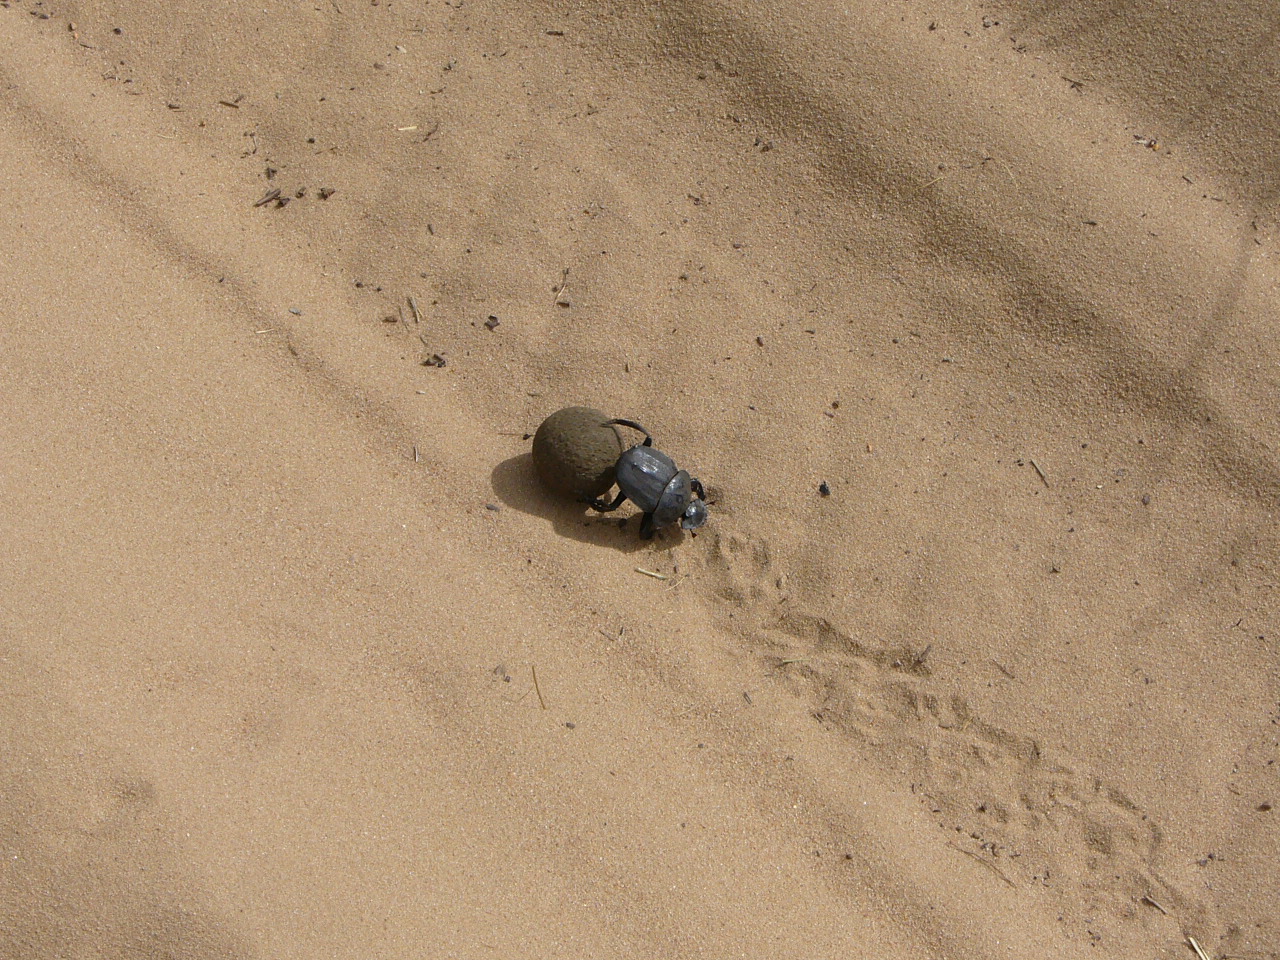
[(696, 486), (598, 504), (646, 527), (648, 440)]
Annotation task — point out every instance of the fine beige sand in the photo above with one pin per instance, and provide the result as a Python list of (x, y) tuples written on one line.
[(297, 660)]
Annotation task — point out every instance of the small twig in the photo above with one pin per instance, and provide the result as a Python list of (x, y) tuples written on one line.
[(1007, 169), (416, 458), (413, 307), (1197, 948), (432, 132), (537, 689), (652, 573), (932, 182), (986, 863), (1151, 902), (1003, 669), (1036, 467), (561, 300), (273, 194), (791, 660)]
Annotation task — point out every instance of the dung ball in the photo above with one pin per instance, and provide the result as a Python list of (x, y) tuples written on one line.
[(575, 452)]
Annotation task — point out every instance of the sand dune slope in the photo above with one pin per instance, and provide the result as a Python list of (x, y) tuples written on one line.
[(964, 314)]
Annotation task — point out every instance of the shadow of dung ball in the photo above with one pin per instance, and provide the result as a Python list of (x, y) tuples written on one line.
[(575, 452)]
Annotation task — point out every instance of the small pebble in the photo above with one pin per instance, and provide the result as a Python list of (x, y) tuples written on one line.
[(824, 489)]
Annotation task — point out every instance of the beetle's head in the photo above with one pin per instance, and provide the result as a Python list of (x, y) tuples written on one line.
[(695, 514)]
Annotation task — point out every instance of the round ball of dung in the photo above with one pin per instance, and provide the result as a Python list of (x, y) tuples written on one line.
[(575, 452)]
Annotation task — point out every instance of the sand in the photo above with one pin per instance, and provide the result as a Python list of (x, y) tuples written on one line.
[(299, 661)]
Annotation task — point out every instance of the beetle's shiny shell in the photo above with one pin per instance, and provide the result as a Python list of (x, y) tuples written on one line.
[(643, 475), (575, 453), (675, 498)]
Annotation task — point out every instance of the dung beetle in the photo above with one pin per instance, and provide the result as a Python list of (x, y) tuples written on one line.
[(651, 480)]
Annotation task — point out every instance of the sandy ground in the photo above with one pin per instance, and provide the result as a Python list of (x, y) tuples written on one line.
[(298, 661)]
